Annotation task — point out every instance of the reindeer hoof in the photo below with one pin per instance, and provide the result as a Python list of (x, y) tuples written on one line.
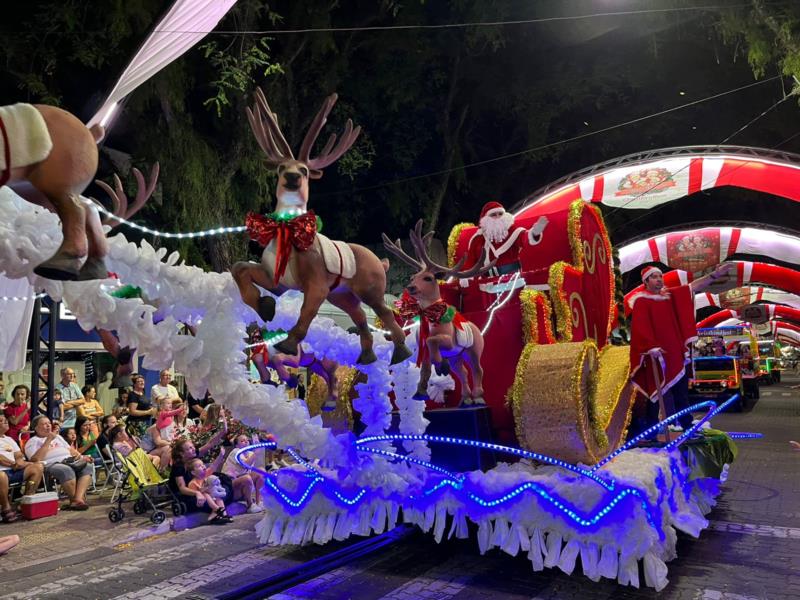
[(443, 368), (367, 357), (93, 268), (466, 402), (124, 355), (329, 405), (286, 347), (420, 396), (400, 354), (60, 267), (479, 401), (266, 308)]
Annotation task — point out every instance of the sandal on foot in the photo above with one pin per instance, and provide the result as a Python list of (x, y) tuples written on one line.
[(10, 515)]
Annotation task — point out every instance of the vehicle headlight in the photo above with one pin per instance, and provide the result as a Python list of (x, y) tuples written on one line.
[(724, 384)]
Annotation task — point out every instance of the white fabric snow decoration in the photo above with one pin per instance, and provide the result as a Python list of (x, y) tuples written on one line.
[(16, 322), (186, 23)]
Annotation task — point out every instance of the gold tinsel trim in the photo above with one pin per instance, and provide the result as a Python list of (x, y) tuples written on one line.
[(574, 232), (514, 397), (532, 304), (560, 305), (583, 383), (609, 258), (452, 242)]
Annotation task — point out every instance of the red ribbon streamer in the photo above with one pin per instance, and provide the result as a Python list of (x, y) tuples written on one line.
[(298, 232)]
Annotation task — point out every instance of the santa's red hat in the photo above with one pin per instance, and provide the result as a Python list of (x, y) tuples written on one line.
[(490, 206), (647, 271)]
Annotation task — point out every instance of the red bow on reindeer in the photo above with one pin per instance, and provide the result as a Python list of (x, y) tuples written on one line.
[(298, 232), (439, 312)]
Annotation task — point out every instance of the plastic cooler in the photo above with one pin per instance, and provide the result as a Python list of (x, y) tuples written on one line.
[(38, 506)]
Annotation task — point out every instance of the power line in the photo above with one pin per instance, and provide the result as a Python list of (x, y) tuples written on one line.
[(551, 144), (379, 28)]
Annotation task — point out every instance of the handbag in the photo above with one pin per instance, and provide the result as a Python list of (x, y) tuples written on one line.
[(76, 462)]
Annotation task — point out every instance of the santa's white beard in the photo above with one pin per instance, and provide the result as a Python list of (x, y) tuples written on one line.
[(496, 228)]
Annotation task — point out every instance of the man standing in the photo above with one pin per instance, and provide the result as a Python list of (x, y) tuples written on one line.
[(71, 396), (502, 241), (662, 327), (163, 389)]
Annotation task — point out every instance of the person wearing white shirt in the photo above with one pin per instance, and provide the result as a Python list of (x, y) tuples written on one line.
[(52, 450), (14, 469), (164, 389), (71, 395)]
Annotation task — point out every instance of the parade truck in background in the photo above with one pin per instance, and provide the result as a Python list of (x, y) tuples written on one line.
[(770, 361), (730, 364)]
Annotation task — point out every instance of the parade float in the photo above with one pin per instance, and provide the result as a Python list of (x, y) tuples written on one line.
[(566, 485)]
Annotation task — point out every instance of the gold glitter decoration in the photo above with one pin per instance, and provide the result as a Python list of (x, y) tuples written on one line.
[(341, 418), (571, 401), (534, 303), (452, 242), (563, 316)]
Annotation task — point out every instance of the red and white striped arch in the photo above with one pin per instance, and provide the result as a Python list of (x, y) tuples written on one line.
[(698, 249), (784, 313), (747, 272), (746, 295), (649, 182)]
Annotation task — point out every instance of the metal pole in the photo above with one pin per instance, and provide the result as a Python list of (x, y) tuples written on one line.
[(55, 310), (36, 326)]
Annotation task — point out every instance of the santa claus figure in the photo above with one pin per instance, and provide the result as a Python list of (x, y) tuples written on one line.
[(662, 328), (502, 241)]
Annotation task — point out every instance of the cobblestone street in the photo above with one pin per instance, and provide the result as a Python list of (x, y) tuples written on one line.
[(749, 552)]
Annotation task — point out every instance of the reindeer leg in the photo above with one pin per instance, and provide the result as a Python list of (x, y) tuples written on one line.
[(95, 265), (459, 370), (246, 275), (258, 361), (313, 297), (349, 303), (473, 357), (64, 265), (401, 352), (422, 385)]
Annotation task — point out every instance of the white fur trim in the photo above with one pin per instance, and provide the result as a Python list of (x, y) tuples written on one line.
[(27, 134)]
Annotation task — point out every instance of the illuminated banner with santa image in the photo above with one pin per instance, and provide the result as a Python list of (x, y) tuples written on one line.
[(646, 186)]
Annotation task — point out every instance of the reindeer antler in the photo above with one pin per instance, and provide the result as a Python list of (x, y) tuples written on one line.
[(329, 154), (420, 243), (119, 199), (267, 132), (396, 248)]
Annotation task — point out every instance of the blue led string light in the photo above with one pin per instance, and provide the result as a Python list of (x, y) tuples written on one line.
[(686, 434), (407, 437), (744, 435)]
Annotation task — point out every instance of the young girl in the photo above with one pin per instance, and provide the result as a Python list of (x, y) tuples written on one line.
[(71, 437), (199, 485), (234, 470), (124, 444)]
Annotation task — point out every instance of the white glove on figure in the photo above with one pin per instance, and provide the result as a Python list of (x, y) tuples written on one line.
[(535, 232)]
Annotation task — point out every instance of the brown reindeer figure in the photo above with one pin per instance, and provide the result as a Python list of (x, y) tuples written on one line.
[(445, 337), (296, 256), (49, 157)]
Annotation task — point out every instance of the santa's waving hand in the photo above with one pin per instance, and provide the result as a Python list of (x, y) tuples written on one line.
[(502, 240)]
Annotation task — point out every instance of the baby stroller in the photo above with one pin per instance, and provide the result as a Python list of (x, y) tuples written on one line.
[(143, 484)]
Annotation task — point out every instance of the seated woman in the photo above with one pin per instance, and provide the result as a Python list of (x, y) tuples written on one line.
[(124, 444), (52, 450), (86, 441), (155, 444), (183, 452), (234, 470), (18, 411), (91, 408), (14, 469)]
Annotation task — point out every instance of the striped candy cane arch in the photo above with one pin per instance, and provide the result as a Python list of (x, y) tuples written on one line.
[(774, 276), (785, 313), (648, 179)]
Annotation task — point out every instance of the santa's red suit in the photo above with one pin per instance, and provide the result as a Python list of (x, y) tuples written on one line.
[(665, 322), (502, 247)]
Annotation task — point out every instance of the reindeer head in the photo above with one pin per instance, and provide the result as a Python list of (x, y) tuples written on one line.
[(423, 285), (294, 173)]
